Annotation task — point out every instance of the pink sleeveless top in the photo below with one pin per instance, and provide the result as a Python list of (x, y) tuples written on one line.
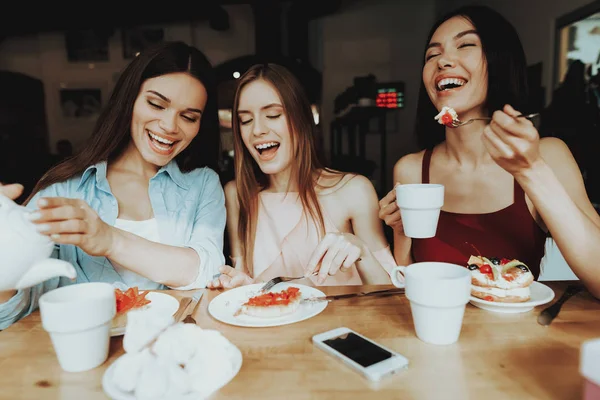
[(286, 238), (510, 233)]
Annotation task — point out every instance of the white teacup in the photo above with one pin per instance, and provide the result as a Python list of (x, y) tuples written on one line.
[(78, 318), (438, 293), (420, 205)]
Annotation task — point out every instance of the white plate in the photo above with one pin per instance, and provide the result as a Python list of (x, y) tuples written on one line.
[(160, 302), (540, 294), (224, 306), (115, 393)]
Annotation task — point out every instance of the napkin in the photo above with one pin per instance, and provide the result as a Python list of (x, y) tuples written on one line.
[(166, 360), (589, 367)]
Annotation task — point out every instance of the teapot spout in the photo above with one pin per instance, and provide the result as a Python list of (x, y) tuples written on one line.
[(44, 270)]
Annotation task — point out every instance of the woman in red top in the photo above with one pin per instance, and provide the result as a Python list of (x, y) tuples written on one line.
[(505, 189)]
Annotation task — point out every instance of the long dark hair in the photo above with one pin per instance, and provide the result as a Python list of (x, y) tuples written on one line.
[(250, 180), (112, 132), (506, 68)]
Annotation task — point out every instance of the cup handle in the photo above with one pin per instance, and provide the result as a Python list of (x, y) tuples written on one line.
[(398, 282)]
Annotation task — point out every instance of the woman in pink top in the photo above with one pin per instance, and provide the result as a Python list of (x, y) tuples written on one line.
[(287, 215)]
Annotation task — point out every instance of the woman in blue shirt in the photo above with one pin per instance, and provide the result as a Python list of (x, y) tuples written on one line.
[(139, 204)]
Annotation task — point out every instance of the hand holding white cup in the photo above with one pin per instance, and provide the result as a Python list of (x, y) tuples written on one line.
[(420, 205)]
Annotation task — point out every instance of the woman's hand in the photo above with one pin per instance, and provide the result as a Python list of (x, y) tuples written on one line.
[(389, 211), (512, 142), (336, 252), (230, 278), (12, 191), (72, 221)]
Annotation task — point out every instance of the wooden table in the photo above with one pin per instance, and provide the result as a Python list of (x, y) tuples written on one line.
[(498, 356)]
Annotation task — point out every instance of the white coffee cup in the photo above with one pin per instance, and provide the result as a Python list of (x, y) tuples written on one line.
[(438, 293), (420, 205), (78, 318)]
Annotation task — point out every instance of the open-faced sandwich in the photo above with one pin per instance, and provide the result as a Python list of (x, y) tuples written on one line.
[(272, 304), (128, 300), (447, 116), (499, 279)]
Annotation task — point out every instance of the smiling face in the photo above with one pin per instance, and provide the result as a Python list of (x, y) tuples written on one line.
[(455, 72), (166, 116), (264, 127)]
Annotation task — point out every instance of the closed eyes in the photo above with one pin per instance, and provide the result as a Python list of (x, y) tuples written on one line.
[(159, 107)]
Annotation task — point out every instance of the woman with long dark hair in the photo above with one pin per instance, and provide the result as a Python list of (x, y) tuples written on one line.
[(287, 214), (505, 189), (139, 204)]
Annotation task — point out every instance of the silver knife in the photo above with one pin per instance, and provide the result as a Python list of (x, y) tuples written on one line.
[(377, 293)]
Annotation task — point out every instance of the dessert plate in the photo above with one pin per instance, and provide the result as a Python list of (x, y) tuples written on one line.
[(540, 294), (224, 307)]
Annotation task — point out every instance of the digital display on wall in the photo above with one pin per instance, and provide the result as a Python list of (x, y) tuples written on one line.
[(389, 98)]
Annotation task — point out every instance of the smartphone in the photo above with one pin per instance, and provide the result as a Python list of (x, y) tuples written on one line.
[(363, 355)]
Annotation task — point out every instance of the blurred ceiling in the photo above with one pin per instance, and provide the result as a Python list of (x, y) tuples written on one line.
[(21, 18)]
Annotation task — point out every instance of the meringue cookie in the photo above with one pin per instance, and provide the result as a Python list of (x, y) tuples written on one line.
[(153, 382), (129, 368), (143, 326), (178, 342)]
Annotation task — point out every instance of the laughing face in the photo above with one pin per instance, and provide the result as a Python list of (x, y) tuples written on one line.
[(166, 116), (455, 72), (264, 127)]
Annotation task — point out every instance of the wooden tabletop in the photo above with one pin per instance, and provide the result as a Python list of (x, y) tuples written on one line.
[(498, 356)]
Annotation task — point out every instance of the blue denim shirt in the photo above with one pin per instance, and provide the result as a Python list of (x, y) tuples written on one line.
[(189, 209)]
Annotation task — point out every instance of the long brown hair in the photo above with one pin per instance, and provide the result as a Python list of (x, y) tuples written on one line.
[(506, 68), (112, 132), (250, 180)]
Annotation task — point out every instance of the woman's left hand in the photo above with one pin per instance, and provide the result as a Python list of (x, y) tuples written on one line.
[(72, 221), (336, 252), (512, 142)]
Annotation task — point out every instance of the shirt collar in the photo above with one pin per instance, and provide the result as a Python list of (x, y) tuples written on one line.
[(171, 169), (99, 171)]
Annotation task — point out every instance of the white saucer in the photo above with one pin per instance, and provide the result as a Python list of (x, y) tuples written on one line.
[(160, 302), (540, 294), (224, 306)]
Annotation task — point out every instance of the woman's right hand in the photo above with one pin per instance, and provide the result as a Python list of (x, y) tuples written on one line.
[(230, 278), (389, 211)]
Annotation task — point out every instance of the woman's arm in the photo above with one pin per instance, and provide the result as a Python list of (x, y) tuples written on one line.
[(358, 196), (72, 221), (549, 175), (555, 187), (233, 216), (237, 276)]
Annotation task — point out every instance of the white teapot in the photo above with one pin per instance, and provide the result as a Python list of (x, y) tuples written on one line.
[(24, 252)]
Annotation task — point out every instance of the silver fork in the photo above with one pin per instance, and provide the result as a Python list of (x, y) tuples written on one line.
[(279, 279), (196, 302), (457, 123)]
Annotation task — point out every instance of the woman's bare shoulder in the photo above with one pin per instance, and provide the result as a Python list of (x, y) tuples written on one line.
[(346, 185), (409, 167)]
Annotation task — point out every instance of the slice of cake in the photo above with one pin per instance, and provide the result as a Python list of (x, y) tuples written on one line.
[(502, 280)]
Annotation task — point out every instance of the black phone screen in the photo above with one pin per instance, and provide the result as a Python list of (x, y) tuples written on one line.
[(357, 349)]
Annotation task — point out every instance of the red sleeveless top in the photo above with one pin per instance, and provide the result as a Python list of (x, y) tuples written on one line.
[(510, 233)]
